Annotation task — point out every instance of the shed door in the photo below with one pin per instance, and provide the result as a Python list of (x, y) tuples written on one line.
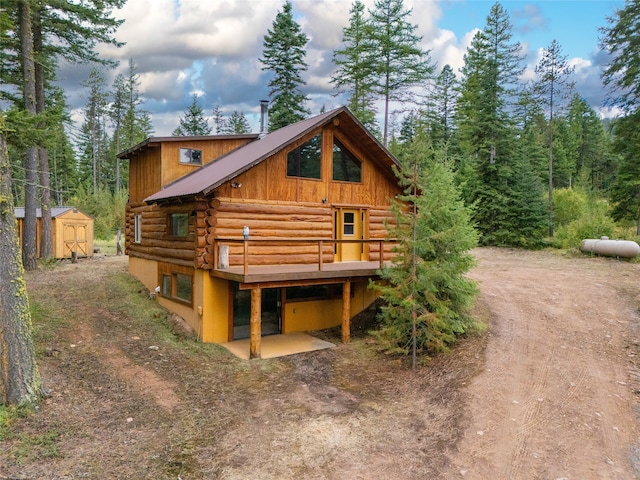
[(75, 240)]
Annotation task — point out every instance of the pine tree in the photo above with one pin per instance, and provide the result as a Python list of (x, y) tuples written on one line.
[(399, 64), (620, 40), (485, 133), (219, 122), (237, 124), (284, 56), (625, 192), (354, 64), (427, 296), (553, 73), (443, 104), (19, 378), (194, 122)]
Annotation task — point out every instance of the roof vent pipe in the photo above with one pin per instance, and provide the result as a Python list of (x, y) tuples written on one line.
[(264, 112)]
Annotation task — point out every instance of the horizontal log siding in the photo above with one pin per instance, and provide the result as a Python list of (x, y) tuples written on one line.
[(156, 243), (227, 218)]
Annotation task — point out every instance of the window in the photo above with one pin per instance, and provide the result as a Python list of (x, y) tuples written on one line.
[(345, 167), (304, 161), (191, 156), (313, 292), (179, 224), (176, 286), (349, 224), (137, 228)]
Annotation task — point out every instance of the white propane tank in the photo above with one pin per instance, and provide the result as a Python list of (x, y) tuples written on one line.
[(610, 248)]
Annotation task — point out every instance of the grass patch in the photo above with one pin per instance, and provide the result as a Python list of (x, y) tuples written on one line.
[(107, 246), (46, 323), (40, 445)]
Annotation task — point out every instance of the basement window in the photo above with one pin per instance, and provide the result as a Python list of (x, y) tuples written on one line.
[(191, 156), (345, 167), (304, 161), (177, 286), (137, 229)]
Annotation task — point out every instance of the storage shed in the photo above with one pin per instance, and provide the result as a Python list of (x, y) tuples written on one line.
[(72, 231)]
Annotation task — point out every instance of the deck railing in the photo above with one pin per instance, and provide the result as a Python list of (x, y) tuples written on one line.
[(319, 242)]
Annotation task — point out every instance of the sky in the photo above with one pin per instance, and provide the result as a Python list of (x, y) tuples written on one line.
[(212, 48)]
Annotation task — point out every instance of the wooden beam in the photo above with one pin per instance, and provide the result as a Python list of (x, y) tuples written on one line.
[(256, 323), (346, 312)]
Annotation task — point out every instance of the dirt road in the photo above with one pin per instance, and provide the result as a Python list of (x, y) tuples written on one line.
[(555, 398), (550, 392)]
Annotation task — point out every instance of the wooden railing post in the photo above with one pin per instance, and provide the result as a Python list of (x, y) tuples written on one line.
[(246, 257), (381, 255), (320, 255)]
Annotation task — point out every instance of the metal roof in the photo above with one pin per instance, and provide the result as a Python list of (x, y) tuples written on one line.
[(213, 174), (152, 142), (55, 211)]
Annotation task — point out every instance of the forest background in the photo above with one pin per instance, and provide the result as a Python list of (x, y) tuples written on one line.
[(535, 162)]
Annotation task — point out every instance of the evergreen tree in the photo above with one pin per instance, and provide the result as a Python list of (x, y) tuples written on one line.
[(93, 148), (194, 122), (485, 133), (354, 62), (284, 56), (620, 40), (19, 379), (427, 295), (237, 124), (553, 81), (398, 62), (443, 102), (219, 122), (625, 192)]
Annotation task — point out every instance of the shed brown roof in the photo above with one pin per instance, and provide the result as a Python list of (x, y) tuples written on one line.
[(213, 174)]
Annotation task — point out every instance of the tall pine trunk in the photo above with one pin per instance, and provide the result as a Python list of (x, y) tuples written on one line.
[(19, 379), (29, 252), (46, 227)]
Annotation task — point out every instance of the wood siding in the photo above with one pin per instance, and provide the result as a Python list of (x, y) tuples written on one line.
[(273, 206), (152, 168)]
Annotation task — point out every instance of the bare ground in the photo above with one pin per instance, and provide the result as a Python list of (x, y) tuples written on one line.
[(550, 391)]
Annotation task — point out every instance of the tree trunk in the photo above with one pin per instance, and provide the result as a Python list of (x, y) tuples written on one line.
[(19, 379), (46, 226), (29, 253)]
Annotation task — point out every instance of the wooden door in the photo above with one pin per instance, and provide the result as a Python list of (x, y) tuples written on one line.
[(349, 226), (75, 240)]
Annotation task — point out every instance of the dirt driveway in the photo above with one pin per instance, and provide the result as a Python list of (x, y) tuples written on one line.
[(549, 392), (557, 395)]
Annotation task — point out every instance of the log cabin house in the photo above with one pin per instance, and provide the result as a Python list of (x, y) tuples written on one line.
[(249, 235)]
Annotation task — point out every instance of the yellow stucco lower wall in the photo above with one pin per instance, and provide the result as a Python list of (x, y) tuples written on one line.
[(209, 315)]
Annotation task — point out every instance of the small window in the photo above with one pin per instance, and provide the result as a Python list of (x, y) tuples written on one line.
[(177, 286), (345, 167), (184, 287), (349, 224), (304, 161), (166, 286), (137, 228), (179, 224), (191, 156)]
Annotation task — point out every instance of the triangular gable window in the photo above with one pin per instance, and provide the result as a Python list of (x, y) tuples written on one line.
[(304, 161), (345, 167)]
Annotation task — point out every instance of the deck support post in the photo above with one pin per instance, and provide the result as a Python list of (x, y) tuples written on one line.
[(256, 323), (346, 312)]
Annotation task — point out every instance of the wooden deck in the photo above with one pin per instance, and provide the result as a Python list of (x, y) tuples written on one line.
[(315, 272), (292, 273)]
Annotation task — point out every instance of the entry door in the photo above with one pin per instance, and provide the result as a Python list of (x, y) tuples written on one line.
[(349, 226), (271, 312)]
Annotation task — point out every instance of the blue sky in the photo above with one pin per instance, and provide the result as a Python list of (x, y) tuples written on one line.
[(211, 48)]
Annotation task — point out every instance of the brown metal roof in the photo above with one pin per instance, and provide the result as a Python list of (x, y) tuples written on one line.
[(212, 175), (152, 142)]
